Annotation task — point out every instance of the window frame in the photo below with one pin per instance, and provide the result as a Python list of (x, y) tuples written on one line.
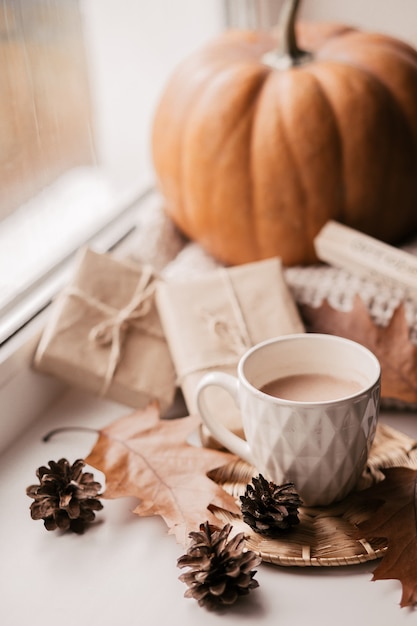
[(24, 392)]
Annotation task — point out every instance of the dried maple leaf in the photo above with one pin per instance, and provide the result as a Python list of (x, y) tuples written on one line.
[(148, 458), (395, 520), (391, 344)]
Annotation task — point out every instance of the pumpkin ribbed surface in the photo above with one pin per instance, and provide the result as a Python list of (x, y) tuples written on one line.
[(252, 161)]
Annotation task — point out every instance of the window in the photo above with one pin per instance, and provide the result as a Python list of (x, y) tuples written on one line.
[(79, 80)]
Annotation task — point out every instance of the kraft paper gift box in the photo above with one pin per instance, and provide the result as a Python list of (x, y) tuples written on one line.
[(104, 334), (210, 321)]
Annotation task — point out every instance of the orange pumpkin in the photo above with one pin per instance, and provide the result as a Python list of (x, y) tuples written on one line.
[(256, 147)]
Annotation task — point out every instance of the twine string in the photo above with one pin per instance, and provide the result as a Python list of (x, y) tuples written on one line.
[(237, 311), (232, 333), (111, 331), (227, 332)]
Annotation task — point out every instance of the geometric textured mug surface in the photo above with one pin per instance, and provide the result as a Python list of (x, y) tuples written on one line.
[(321, 445), (321, 450)]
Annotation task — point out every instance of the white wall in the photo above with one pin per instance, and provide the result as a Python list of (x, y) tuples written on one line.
[(395, 17), (133, 46)]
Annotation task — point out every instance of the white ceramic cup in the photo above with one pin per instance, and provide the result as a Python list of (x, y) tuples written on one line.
[(320, 445)]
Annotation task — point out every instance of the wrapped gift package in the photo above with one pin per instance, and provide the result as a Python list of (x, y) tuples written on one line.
[(104, 334), (211, 320)]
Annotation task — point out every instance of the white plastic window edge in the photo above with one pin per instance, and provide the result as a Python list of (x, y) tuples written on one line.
[(25, 393), (38, 238)]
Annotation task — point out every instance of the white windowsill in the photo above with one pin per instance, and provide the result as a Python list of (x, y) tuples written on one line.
[(124, 568)]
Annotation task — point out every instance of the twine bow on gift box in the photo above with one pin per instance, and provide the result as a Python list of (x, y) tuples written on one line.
[(233, 333), (111, 331), (229, 331)]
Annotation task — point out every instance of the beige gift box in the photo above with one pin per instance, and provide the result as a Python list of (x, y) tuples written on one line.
[(104, 334), (210, 321)]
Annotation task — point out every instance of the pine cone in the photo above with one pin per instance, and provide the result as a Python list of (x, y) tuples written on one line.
[(66, 497), (221, 571), (268, 508)]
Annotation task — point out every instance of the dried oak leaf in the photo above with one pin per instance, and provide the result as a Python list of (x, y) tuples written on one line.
[(150, 459), (391, 344), (395, 520)]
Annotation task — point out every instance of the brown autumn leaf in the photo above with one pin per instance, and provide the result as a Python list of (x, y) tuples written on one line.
[(395, 520), (150, 459), (391, 344)]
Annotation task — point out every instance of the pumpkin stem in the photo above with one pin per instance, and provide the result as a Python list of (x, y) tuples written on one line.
[(287, 54)]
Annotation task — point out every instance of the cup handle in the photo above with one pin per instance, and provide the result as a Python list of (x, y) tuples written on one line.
[(232, 442)]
